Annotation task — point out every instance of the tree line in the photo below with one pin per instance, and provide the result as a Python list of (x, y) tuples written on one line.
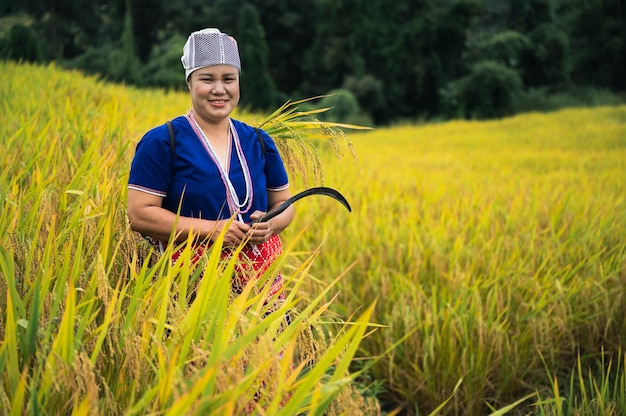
[(376, 61)]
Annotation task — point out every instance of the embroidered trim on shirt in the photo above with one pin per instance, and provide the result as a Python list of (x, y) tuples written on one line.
[(280, 188), (147, 190)]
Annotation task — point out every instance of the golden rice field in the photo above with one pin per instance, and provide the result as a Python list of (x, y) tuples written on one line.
[(481, 271), (496, 253)]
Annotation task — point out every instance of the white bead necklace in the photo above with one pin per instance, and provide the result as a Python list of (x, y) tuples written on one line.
[(231, 195)]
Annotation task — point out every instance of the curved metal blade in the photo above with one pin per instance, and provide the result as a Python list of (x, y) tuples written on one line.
[(320, 190)]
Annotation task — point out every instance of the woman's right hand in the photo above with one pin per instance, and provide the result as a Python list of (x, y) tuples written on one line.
[(236, 232)]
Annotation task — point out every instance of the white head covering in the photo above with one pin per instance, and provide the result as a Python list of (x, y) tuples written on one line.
[(209, 47)]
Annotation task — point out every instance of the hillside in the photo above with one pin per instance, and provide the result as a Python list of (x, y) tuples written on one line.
[(483, 263)]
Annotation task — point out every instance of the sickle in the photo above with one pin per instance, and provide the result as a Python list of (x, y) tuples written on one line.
[(321, 190)]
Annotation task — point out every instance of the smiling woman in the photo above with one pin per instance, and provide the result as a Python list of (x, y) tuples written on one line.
[(218, 179), (88, 327)]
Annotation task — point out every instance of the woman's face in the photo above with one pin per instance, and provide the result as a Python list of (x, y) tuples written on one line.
[(214, 92)]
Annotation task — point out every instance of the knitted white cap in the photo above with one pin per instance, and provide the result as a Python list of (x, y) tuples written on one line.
[(209, 47)]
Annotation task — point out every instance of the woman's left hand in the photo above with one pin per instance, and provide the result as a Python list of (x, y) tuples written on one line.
[(260, 232)]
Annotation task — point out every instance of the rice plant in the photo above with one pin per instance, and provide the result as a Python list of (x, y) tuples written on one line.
[(494, 251), (93, 322), (482, 270)]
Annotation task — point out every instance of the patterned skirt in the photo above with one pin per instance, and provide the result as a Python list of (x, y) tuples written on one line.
[(253, 261)]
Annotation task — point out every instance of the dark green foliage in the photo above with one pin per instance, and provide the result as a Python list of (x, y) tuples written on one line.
[(95, 60), (506, 48), (369, 92), (541, 99), (450, 35), (164, 68), (70, 27), (344, 106), (402, 60), (149, 17), (258, 90), (547, 61), (410, 46), (289, 27), (527, 14), (124, 61), (22, 44), (598, 42), (114, 63), (490, 90)]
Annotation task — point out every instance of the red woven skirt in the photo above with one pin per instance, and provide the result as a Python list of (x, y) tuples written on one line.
[(252, 262)]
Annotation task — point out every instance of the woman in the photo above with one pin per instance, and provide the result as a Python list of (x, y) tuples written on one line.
[(219, 176)]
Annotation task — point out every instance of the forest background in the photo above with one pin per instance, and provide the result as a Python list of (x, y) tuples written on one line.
[(382, 62)]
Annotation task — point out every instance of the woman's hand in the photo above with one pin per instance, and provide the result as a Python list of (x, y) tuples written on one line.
[(236, 232), (260, 232)]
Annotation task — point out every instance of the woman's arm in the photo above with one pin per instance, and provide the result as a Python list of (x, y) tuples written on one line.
[(281, 221), (148, 217)]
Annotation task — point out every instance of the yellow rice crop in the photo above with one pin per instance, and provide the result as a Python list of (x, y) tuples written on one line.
[(91, 322), (490, 257), (496, 252)]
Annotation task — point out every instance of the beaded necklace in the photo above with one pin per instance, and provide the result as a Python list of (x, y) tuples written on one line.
[(231, 195)]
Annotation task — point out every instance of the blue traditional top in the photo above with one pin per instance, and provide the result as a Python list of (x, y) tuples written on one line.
[(192, 177)]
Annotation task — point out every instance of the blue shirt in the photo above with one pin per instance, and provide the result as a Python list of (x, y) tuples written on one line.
[(192, 178)]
